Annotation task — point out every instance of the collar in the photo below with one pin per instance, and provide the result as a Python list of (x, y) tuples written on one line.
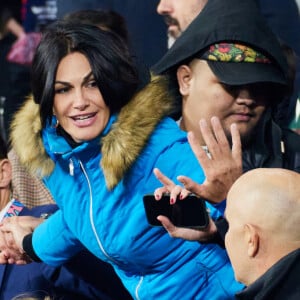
[(273, 278), (56, 144)]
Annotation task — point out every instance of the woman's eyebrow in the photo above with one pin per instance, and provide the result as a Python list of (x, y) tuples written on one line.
[(88, 76), (85, 79), (61, 82)]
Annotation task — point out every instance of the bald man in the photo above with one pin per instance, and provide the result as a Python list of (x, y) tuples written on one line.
[(263, 239)]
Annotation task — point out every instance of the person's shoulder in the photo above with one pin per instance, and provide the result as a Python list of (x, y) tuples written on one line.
[(168, 126), (167, 135)]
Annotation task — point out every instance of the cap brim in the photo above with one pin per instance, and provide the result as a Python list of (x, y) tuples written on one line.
[(233, 73)]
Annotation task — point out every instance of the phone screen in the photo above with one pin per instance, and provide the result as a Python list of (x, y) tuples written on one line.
[(189, 212)]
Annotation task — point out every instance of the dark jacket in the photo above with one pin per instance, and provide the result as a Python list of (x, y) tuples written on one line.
[(283, 18), (96, 281), (272, 147), (280, 282)]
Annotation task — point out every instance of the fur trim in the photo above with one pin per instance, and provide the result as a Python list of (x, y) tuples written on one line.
[(135, 124), (121, 146)]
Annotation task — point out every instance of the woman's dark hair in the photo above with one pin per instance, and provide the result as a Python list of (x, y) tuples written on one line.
[(108, 55)]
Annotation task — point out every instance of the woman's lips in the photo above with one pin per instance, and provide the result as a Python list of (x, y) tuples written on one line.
[(84, 120)]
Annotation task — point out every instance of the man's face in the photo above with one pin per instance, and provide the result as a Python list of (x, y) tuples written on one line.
[(204, 96), (179, 14)]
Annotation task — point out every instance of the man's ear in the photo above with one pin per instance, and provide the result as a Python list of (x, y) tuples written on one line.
[(184, 75), (251, 239), (5, 173)]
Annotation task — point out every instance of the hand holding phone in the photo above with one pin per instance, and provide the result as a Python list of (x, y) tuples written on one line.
[(188, 212)]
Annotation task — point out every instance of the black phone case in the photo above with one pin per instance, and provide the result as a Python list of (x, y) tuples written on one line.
[(189, 212)]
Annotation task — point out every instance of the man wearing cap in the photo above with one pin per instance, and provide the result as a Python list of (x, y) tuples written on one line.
[(283, 19), (229, 64)]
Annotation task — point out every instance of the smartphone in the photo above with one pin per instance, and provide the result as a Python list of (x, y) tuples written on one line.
[(188, 212)]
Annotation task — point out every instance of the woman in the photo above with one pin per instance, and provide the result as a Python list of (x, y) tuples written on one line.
[(95, 145)]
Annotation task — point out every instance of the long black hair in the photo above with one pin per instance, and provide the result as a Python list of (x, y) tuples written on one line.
[(109, 57)]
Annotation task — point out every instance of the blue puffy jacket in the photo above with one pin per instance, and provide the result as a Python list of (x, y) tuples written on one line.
[(99, 187)]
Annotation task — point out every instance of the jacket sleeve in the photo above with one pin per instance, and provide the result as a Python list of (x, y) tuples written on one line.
[(53, 242)]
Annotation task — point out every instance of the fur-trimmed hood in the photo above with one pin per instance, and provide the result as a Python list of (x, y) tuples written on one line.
[(120, 147)]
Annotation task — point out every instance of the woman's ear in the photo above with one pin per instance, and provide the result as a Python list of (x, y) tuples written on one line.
[(251, 237), (5, 173), (184, 75)]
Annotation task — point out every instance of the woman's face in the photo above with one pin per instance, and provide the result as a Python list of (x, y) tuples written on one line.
[(78, 104)]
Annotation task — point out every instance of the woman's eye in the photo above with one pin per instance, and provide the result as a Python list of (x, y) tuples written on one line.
[(61, 90), (92, 83)]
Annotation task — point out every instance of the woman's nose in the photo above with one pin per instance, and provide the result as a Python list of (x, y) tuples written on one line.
[(80, 101)]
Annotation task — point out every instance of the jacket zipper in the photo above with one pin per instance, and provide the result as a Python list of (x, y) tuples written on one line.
[(96, 234), (138, 287), (91, 216)]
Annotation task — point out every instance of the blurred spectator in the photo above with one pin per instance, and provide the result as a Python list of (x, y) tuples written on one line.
[(14, 77), (36, 14), (104, 19)]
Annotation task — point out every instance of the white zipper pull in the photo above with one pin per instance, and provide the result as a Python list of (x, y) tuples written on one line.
[(282, 147), (71, 167)]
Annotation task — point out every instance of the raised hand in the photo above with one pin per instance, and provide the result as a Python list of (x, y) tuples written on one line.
[(222, 166)]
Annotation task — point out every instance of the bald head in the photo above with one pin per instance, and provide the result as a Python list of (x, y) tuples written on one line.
[(268, 198), (263, 212)]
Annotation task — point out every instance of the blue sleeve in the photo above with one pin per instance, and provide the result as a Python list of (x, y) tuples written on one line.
[(53, 242)]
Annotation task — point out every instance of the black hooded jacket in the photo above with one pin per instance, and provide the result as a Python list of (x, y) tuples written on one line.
[(272, 147)]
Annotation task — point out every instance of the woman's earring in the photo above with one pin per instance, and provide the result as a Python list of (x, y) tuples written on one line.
[(55, 122)]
